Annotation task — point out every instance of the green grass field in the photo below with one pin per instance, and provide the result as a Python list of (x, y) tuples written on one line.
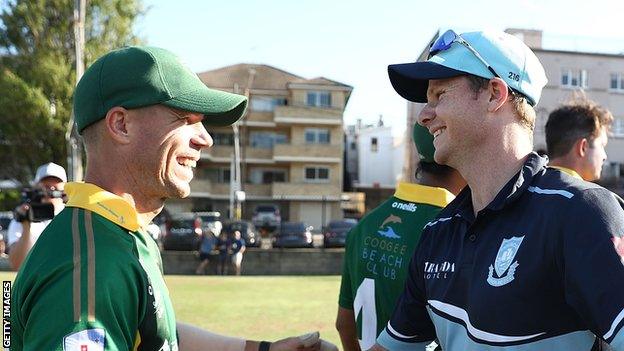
[(260, 308)]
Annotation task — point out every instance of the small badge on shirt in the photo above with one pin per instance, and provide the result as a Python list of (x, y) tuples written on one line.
[(85, 340), (504, 264)]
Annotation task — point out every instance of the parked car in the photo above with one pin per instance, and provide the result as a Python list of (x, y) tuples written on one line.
[(211, 221), (247, 229), (184, 233), (335, 234), (266, 216), (293, 234)]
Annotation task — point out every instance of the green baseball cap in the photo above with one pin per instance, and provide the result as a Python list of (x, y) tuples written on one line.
[(140, 76), (424, 143)]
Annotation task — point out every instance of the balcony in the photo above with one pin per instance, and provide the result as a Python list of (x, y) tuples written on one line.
[(256, 153), (307, 152), (257, 190), (201, 186), (308, 115), (327, 190), (221, 152), (258, 119)]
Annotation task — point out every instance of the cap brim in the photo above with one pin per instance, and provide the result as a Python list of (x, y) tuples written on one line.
[(410, 80), (220, 108)]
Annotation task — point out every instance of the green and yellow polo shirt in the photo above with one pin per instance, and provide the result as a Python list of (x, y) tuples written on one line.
[(378, 252), (93, 281)]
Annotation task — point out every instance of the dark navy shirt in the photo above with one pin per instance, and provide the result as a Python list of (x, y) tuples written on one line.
[(537, 269)]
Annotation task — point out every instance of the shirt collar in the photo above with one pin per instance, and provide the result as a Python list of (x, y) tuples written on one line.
[(423, 194), (568, 171), (510, 192), (108, 205)]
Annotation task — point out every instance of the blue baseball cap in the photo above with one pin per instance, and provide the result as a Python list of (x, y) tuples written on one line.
[(485, 54)]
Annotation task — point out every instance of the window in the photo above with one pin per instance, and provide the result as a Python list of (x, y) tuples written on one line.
[(617, 129), (266, 103), (574, 78), (374, 146), (319, 99), (617, 81), (223, 138), (224, 175), (267, 176), (317, 136), (317, 174), (266, 140), (352, 145), (216, 175)]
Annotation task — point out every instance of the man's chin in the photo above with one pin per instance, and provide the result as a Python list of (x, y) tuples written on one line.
[(179, 191)]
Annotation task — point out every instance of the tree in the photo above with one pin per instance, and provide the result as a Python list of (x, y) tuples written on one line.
[(37, 77)]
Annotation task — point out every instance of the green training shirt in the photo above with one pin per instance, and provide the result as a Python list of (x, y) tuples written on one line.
[(378, 252), (93, 281)]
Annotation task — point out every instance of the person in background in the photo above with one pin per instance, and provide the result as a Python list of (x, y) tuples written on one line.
[(237, 248), (576, 137), (50, 180), (206, 248)]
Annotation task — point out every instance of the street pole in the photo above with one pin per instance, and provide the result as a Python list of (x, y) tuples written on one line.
[(72, 140)]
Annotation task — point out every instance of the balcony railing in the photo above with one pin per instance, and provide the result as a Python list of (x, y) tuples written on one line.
[(307, 150), (218, 151), (306, 189), (308, 115)]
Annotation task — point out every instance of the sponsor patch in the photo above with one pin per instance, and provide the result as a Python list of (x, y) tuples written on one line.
[(85, 340)]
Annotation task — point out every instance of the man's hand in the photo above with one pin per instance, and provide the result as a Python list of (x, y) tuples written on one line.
[(21, 212), (377, 347), (307, 342)]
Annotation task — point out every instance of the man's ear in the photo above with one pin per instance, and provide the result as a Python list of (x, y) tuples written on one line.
[(116, 121), (498, 93), (581, 146)]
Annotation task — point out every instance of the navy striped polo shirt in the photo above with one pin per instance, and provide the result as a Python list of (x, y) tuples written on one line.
[(540, 268)]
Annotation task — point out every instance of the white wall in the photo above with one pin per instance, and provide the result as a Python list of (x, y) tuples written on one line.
[(380, 167)]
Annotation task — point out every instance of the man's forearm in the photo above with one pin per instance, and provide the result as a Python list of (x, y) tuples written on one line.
[(196, 339), (19, 250), (347, 329)]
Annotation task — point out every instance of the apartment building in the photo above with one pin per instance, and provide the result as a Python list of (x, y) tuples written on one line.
[(291, 146), (600, 76), (374, 161)]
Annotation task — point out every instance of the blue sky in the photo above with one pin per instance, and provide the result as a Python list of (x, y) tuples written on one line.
[(353, 41)]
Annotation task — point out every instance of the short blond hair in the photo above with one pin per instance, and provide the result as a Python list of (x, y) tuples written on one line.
[(522, 108)]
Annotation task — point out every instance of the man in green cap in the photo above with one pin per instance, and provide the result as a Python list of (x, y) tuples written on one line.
[(379, 248), (94, 279)]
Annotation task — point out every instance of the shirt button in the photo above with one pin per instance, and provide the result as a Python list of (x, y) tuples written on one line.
[(472, 237)]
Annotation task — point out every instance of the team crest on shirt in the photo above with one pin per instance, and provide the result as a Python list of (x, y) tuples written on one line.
[(504, 264)]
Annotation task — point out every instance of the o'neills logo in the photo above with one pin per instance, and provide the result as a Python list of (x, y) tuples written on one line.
[(405, 207), (438, 270)]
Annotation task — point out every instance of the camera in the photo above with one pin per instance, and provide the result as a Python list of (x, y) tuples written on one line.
[(37, 210)]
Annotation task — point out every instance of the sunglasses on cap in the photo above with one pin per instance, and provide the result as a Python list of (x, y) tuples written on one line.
[(447, 39)]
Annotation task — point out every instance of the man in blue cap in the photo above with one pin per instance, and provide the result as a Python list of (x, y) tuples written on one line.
[(526, 257), (380, 246)]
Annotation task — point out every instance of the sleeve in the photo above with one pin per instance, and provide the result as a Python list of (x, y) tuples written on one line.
[(345, 299), (14, 232), (592, 262), (410, 327)]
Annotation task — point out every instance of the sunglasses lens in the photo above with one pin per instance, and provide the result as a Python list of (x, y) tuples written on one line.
[(443, 42)]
